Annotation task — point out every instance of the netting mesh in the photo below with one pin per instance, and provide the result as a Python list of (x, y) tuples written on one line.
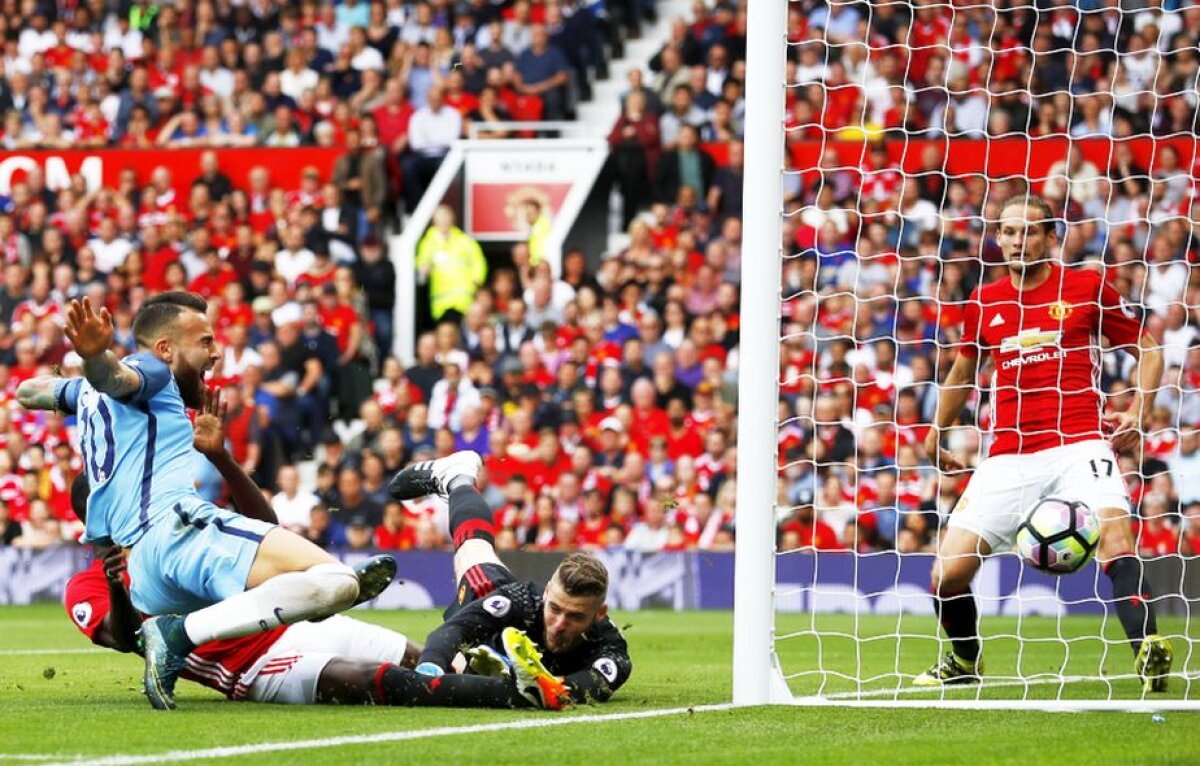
[(910, 126)]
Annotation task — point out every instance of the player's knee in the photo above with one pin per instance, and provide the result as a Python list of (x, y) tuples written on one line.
[(336, 587), (949, 578), (1116, 538)]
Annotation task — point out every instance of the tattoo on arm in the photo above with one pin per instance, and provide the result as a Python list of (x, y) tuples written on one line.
[(38, 393), (108, 375)]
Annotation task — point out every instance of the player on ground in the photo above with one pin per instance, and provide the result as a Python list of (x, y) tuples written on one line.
[(336, 661), (1042, 325), (558, 639), (232, 576)]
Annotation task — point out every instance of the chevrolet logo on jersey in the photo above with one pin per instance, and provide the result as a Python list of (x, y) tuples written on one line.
[(1030, 340)]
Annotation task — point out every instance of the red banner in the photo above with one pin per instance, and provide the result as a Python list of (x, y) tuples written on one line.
[(103, 167), (495, 207), (997, 157)]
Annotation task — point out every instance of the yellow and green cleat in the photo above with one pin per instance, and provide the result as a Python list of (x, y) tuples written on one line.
[(1153, 663)]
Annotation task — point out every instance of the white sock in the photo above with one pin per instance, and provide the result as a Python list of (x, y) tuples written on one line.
[(319, 591)]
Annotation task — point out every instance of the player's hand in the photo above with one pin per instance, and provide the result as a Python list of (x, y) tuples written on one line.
[(91, 333), (942, 458), (114, 563), (209, 429), (1125, 429)]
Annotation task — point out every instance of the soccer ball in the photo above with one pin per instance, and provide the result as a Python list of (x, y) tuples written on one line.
[(1058, 536)]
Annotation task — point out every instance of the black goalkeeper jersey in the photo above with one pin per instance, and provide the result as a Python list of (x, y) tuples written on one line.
[(593, 670)]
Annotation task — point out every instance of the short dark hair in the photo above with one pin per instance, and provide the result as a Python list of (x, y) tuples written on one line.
[(1031, 201), (582, 575), (159, 311)]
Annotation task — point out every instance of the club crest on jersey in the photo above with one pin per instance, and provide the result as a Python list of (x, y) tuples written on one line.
[(1060, 310), (1030, 340), (82, 613)]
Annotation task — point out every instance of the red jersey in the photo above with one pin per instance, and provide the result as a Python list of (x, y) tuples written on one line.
[(1046, 346), (818, 535), (31, 309), (218, 665), (1154, 540), (338, 321), (592, 532), (402, 539)]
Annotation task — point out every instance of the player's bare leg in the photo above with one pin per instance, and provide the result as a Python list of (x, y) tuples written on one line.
[(1133, 599), (958, 561)]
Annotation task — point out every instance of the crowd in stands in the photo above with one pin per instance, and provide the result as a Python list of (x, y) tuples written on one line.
[(603, 400), (401, 80), (882, 263)]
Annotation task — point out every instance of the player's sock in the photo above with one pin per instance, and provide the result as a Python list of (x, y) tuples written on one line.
[(470, 517), (956, 612), (1131, 595), (403, 687), (319, 591)]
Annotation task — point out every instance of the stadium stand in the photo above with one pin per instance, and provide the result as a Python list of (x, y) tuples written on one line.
[(603, 400)]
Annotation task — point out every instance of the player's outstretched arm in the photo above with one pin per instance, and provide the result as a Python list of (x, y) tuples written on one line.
[(91, 333), (1147, 377), (956, 389), (40, 393), (209, 439), (118, 629), (470, 626)]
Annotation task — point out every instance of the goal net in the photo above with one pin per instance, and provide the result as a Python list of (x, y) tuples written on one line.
[(906, 127)]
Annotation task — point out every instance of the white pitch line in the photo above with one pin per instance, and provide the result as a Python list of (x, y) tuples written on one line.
[(27, 757), (906, 690), (31, 652), (177, 756)]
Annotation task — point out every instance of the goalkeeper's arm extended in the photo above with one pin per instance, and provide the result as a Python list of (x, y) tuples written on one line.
[(956, 389)]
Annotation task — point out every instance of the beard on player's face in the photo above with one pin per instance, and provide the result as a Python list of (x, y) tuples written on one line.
[(191, 383)]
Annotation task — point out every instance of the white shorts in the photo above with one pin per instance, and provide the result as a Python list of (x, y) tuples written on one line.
[(288, 673), (1005, 487)]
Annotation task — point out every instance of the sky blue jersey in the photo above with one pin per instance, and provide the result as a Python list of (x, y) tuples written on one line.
[(137, 451)]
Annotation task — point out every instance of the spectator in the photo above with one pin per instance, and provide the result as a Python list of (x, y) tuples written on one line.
[(359, 174), (396, 533), (650, 533), (431, 131), (634, 147), (805, 531), (542, 70), (353, 503), (452, 396), (292, 504), (452, 263), (684, 166)]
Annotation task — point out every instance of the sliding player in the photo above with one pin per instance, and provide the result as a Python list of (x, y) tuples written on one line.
[(558, 639), (232, 576), (1042, 325), (336, 661)]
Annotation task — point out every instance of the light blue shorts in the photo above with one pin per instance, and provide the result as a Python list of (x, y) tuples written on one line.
[(193, 557)]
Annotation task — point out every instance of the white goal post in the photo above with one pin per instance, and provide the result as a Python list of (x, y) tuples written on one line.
[(756, 678)]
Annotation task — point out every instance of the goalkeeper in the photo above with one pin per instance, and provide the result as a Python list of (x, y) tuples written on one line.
[(556, 642), (1042, 325)]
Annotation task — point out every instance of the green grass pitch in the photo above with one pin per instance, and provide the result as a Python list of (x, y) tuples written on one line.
[(86, 706)]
